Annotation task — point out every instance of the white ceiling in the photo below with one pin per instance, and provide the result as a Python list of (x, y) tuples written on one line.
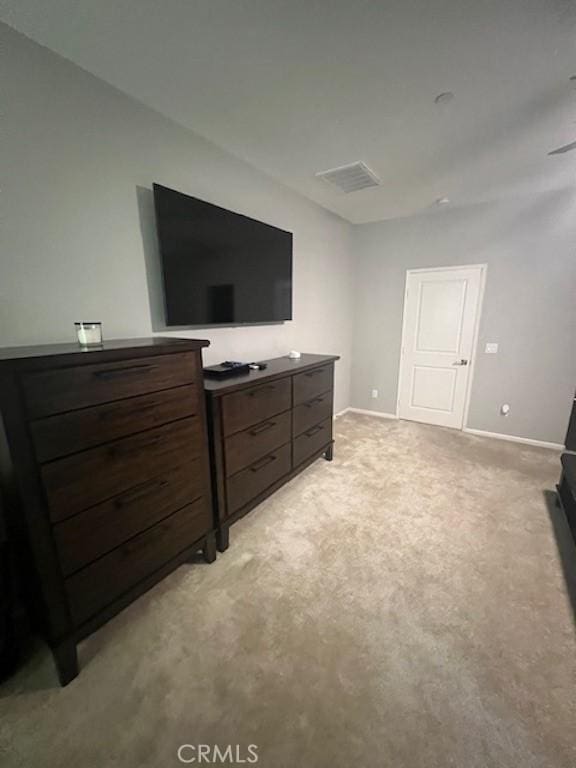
[(299, 86)]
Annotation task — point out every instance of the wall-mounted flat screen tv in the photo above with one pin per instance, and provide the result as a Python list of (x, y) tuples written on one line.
[(220, 267)]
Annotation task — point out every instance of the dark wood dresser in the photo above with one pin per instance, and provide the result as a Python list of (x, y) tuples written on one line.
[(571, 432), (111, 490), (265, 427)]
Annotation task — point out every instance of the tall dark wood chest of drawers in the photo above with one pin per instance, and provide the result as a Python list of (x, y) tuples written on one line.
[(265, 427), (108, 476)]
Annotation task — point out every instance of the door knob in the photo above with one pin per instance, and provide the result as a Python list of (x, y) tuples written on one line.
[(461, 362)]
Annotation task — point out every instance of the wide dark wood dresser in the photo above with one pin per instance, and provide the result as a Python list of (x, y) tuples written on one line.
[(265, 427), (109, 477)]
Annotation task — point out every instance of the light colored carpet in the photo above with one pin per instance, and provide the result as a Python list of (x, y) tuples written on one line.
[(404, 606)]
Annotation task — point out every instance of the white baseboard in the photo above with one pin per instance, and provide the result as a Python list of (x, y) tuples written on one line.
[(379, 414), (469, 430), (514, 439), (341, 413)]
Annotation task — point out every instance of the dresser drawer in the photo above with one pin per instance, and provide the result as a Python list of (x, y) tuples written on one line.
[(66, 389), (312, 440), (251, 406), (80, 481), (108, 578), (88, 535), (311, 383), (246, 447), (245, 485), (70, 432), (311, 412)]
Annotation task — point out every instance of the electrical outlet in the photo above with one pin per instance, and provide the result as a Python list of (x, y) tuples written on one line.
[(491, 348), (374, 394)]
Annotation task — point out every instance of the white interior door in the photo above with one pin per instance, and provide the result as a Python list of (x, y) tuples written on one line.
[(440, 325)]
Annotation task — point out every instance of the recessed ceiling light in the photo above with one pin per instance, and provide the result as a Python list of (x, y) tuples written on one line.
[(442, 201), (444, 98)]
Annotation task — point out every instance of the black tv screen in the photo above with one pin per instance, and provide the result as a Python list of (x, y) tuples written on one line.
[(221, 267)]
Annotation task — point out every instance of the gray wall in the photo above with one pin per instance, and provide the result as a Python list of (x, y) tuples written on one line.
[(77, 231), (529, 307), (78, 241)]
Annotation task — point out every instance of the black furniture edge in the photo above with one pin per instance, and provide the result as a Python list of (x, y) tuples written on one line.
[(567, 490)]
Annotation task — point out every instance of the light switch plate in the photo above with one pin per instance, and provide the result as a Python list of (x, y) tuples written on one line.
[(491, 348)]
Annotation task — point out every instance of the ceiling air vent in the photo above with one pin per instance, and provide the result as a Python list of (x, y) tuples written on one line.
[(350, 178)]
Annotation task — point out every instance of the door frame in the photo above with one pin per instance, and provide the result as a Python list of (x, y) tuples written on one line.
[(483, 270)]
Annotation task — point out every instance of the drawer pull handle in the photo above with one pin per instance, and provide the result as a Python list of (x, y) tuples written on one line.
[(140, 542), (143, 540), (310, 403), (256, 392), (107, 415), (263, 463), (314, 431), (262, 428), (125, 371), (139, 492), (144, 408), (309, 374), (119, 450)]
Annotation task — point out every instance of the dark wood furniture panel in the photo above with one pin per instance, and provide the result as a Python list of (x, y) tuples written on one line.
[(94, 532), (14, 625), (66, 389), (247, 407), (567, 490), (311, 412), (117, 466), (108, 454), (244, 448), (314, 382), (250, 482), (57, 436), (95, 586), (264, 428)]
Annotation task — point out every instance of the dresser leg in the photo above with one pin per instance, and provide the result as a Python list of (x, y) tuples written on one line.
[(66, 658), (329, 452), (209, 548), (223, 538)]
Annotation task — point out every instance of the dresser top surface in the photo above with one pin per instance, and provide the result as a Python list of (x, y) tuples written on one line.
[(276, 368), (74, 353)]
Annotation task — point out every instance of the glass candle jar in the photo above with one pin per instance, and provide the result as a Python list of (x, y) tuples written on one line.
[(89, 334)]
